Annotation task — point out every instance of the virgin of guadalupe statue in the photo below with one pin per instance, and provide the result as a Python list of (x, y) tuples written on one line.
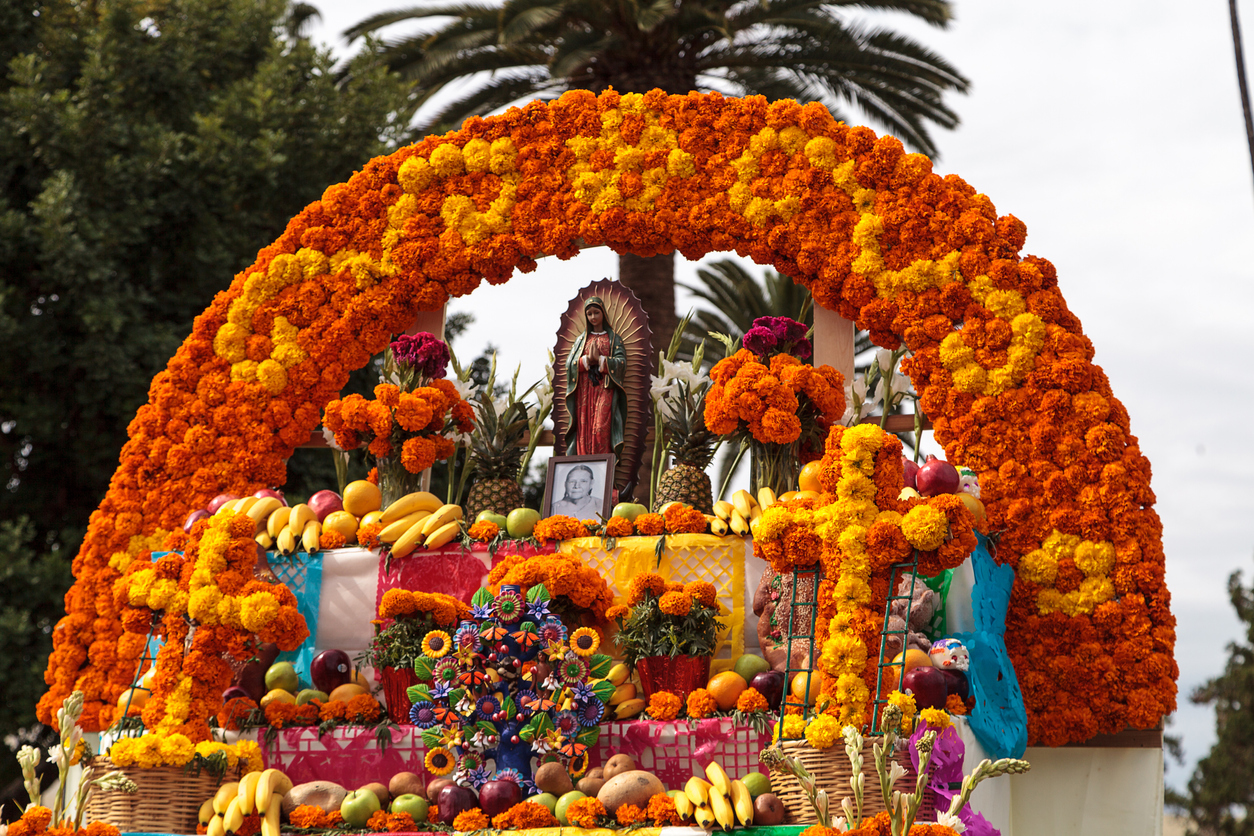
[(601, 381), (595, 398)]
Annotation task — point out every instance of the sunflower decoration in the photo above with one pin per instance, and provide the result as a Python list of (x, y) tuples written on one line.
[(436, 644), (439, 761), (585, 641)]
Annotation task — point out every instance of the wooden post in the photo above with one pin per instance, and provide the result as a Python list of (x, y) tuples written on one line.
[(833, 342)]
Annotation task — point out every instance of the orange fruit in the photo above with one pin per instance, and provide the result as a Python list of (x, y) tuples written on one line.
[(808, 480), (346, 692), (361, 497), (798, 689), (342, 522), (137, 697), (974, 506), (726, 688), (912, 658)]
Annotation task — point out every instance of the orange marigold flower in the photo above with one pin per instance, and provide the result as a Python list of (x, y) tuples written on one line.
[(664, 705), (650, 525), (484, 530), (585, 813), (378, 821), (628, 814), (684, 519), (675, 603), (703, 591), (648, 583), (307, 815), (526, 815), (954, 704), (661, 811), (618, 527), (330, 539), (701, 704), (750, 701), (469, 820), (368, 535)]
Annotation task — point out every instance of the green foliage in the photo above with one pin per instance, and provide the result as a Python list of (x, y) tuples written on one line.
[(1220, 796), (148, 150)]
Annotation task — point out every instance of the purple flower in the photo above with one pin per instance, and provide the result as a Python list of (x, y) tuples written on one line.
[(802, 349), (790, 330), (423, 352), (760, 340)]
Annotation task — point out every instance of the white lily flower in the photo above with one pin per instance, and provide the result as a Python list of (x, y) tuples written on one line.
[(952, 822), (840, 825), (465, 388), (329, 438), (895, 772), (855, 400)]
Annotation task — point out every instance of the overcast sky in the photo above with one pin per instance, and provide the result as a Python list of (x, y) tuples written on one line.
[(1113, 129)]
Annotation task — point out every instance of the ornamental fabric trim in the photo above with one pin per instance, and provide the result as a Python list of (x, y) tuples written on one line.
[(1002, 366)]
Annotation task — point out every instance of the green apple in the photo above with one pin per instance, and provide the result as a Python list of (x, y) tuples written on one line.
[(629, 510), (564, 803), (521, 521), (358, 806), (674, 793), (750, 665), (415, 805), (756, 783), (548, 799), (494, 517), (282, 675), (310, 694)]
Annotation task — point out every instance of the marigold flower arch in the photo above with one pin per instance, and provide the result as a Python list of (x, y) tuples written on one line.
[(1003, 367)]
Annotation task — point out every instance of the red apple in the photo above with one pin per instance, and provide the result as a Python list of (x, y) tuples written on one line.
[(936, 477), (453, 800), (956, 683), (330, 669), (234, 692), (495, 797), (909, 471), (324, 502), (770, 684), (264, 492), (928, 686), (220, 500), (195, 517)]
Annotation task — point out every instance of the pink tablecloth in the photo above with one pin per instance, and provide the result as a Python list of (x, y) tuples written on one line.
[(451, 570)]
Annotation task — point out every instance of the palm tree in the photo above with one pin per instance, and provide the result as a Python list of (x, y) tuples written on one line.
[(783, 49)]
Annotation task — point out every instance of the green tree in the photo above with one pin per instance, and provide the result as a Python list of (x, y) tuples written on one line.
[(782, 49), (1220, 796), (147, 151)]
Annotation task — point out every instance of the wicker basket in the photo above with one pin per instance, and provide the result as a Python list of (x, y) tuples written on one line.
[(168, 800), (831, 770)]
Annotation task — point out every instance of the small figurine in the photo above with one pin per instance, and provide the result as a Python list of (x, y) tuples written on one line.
[(950, 654)]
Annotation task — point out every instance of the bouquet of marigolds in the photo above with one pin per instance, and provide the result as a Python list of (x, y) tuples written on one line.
[(772, 401), (408, 623), (667, 619)]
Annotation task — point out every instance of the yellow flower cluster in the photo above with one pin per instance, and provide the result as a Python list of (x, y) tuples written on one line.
[(1028, 333), (1095, 561), (937, 719), (906, 703), (791, 728), (925, 527), (152, 750), (823, 731)]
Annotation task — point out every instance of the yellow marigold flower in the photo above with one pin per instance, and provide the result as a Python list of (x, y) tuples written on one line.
[(258, 610), (823, 731), (925, 527), (936, 718)]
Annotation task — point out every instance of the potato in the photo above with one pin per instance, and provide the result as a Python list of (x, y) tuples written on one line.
[(590, 786), (634, 787), (380, 792), (406, 783), (434, 786), (595, 772), (552, 777), (327, 796), (768, 810), (617, 765)]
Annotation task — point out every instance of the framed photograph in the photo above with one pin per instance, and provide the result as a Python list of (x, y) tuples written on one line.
[(579, 486)]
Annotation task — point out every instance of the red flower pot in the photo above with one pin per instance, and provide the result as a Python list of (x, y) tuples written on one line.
[(680, 675), (395, 683)]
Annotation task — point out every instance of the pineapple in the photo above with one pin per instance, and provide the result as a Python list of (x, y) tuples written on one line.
[(497, 454), (692, 446)]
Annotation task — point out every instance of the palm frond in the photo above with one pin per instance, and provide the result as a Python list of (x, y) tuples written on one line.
[(378, 21)]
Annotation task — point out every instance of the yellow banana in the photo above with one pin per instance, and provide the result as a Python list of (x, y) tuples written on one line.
[(718, 777), (622, 693), (442, 535), (309, 537), (703, 816), (264, 540), (225, 507), (718, 527), (408, 541), (697, 790), (723, 509), (441, 517), (263, 508), (742, 802), (285, 542), (766, 497), (408, 504), (300, 517), (743, 502), (206, 812), (215, 827), (248, 792), (224, 795), (270, 824), (618, 674), (244, 505), (684, 805), (393, 531), (722, 810), (628, 708), (271, 783), (755, 513), (233, 818), (739, 523), (277, 521)]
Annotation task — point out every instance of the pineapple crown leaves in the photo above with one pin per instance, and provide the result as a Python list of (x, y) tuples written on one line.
[(494, 441)]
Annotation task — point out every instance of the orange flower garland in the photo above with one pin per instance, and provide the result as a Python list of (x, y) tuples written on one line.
[(558, 527), (416, 420), (563, 576), (870, 230)]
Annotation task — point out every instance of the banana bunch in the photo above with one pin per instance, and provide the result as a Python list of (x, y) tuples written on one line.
[(720, 800), (292, 529), (738, 515), (419, 519), (624, 702), (257, 792)]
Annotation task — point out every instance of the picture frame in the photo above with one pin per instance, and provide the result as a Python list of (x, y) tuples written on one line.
[(595, 474)]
